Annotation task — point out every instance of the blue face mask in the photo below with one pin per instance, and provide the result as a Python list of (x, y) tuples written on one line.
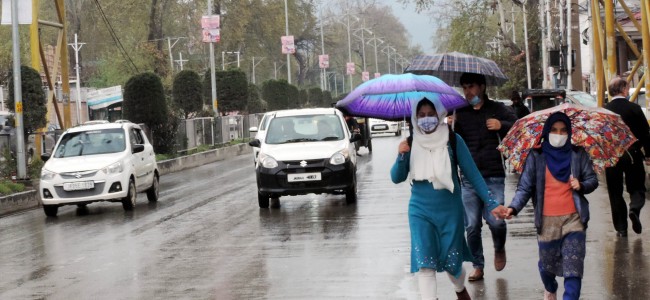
[(428, 124), (475, 101)]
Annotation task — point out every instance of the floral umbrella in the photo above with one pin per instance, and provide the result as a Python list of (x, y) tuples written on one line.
[(601, 132), (389, 97)]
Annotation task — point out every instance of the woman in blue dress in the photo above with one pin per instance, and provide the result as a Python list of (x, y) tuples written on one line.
[(436, 209)]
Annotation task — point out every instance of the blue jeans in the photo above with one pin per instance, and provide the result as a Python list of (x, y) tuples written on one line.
[(475, 212)]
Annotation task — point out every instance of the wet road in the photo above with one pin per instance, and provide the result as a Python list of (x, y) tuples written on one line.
[(206, 238)]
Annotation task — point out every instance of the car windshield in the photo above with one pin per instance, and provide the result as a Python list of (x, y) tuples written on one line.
[(585, 99), (91, 142), (309, 128)]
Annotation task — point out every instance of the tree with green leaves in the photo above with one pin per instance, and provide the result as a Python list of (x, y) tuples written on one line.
[(326, 99), (255, 103), (276, 94), (33, 99), (144, 102), (315, 96), (232, 89), (187, 93)]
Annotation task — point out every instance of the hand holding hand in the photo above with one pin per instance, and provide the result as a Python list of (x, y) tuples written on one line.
[(575, 184), (509, 213), (493, 124), (500, 212), (403, 147)]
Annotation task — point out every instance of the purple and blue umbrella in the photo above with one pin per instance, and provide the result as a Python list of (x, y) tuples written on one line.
[(389, 97), (450, 66)]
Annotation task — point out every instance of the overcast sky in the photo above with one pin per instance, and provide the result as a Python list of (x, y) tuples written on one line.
[(418, 25)]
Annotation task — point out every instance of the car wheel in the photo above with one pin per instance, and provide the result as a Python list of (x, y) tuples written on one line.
[(50, 210), (263, 200), (128, 202), (370, 145), (351, 192), (152, 192)]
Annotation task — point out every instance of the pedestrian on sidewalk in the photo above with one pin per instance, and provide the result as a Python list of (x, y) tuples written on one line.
[(518, 105), (436, 209), (482, 125), (630, 166), (558, 174)]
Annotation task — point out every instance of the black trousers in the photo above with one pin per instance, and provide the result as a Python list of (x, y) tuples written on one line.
[(629, 168)]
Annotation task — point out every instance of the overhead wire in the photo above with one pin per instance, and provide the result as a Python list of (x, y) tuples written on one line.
[(117, 41)]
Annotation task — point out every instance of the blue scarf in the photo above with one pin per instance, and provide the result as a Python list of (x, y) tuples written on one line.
[(558, 160)]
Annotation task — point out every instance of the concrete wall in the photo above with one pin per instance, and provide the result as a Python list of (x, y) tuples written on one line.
[(31, 199)]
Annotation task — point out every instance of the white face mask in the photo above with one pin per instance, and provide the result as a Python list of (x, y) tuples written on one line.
[(557, 140)]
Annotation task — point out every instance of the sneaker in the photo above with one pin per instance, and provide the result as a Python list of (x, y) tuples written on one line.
[(549, 296), (636, 223), (622, 233)]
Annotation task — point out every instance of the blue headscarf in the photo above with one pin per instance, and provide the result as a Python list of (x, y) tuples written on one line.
[(558, 160)]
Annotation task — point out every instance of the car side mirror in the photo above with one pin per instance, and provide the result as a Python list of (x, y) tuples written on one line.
[(45, 156), (355, 137), (252, 129), (138, 148), (255, 143)]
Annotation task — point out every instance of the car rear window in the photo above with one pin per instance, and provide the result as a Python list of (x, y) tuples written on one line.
[(308, 128), (91, 142)]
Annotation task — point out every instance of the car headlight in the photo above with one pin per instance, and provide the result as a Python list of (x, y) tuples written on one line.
[(268, 161), (114, 168), (47, 175), (339, 158)]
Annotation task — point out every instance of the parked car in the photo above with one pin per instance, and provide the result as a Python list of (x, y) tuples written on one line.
[(538, 99), (382, 126), (99, 162), (260, 132), (306, 151)]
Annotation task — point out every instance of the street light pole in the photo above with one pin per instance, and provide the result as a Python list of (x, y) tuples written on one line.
[(286, 27), (213, 77), (349, 49), (254, 65), (77, 46), (526, 44), (18, 93), (322, 47)]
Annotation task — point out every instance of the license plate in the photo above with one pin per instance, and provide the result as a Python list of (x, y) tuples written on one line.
[(380, 127), (77, 186), (303, 177)]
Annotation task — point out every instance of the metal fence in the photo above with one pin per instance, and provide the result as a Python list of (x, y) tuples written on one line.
[(193, 133)]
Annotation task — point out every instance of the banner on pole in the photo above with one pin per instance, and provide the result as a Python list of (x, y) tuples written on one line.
[(349, 68), (324, 61), (377, 75), (365, 76), (211, 25), (287, 44)]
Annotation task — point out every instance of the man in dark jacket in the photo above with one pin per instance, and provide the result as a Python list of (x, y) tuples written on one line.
[(482, 125), (630, 165), (518, 106)]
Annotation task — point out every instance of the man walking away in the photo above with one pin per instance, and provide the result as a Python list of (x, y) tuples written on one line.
[(630, 165), (518, 106)]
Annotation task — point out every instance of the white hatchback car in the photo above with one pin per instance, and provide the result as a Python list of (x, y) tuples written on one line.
[(306, 151), (99, 162), (382, 126), (260, 132)]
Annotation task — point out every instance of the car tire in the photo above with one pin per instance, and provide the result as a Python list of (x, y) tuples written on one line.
[(128, 202), (153, 191), (351, 192), (262, 200), (370, 145), (50, 210)]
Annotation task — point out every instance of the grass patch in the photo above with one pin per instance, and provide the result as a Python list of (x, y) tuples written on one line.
[(8, 187)]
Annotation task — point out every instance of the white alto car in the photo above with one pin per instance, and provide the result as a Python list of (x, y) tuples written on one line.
[(383, 126), (260, 132), (99, 162)]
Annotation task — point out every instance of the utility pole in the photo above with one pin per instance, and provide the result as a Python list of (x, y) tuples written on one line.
[(323, 71), (286, 28), (180, 60), (18, 94), (254, 65), (169, 48), (569, 42), (77, 46), (223, 58), (213, 78), (523, 7)]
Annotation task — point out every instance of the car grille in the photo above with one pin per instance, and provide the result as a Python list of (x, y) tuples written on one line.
[(78, 175), (98, 190)]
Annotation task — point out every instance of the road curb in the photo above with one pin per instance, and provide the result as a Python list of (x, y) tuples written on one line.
[(31, 199)]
